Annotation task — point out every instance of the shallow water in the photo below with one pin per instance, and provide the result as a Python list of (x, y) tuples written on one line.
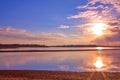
[(65, 61)]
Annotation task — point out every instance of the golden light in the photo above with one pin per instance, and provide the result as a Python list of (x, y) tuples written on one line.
[(99, 63), (99, 48), (98, 28)]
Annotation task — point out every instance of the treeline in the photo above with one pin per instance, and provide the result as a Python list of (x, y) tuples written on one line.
[(20, 45), (76, 46), (36, 45), (86, 46)]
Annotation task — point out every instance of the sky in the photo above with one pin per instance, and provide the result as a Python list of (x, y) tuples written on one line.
[(60, 22)]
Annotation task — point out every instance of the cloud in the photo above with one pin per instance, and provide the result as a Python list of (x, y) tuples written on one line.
[(95, 11), (64, 27), (114, 23), (114, 3), (64, 67), (11, 35), (87, 7), (110, 39), (20, 34), (87, 14), (98, 7)]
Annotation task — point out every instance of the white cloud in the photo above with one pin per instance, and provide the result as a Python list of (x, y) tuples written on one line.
[(86, 14), (115, 3), (100, 9), (64, 67), (64, 27), (88, 7)]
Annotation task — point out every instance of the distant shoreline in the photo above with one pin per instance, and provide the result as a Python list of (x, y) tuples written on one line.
[(9, 46), (55, 50)]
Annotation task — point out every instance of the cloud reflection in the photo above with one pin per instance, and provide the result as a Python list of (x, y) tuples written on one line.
[(70, 61)]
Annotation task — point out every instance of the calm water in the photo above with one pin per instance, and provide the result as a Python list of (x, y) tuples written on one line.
[(65, 61)]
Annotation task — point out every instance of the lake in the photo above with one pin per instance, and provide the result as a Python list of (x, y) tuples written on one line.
[(79, 61)]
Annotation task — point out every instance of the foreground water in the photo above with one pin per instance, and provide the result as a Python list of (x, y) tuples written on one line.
[(65, 61)]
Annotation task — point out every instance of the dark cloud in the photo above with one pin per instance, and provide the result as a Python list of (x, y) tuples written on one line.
[(115, 22), (116, 29), (115, 37)]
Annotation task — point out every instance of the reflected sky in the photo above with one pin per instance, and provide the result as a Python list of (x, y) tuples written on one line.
[(65, 61)]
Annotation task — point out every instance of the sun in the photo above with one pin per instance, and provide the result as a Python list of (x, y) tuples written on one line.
[(99, 63), (98, 28)]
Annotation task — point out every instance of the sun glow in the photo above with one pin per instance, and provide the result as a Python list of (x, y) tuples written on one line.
[(99, 63), (99, 48), (98, 28)]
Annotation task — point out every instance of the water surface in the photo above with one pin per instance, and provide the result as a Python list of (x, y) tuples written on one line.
[(65, 61)]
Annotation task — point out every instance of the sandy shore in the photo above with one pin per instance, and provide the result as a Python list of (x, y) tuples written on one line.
[(56, 75)]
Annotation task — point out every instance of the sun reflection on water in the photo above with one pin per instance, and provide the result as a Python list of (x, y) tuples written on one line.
[(99, 63)]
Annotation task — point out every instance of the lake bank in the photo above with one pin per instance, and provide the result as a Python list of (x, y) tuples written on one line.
[(54, 50)]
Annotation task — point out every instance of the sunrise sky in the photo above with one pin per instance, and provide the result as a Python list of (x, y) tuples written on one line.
[(60, 22)]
